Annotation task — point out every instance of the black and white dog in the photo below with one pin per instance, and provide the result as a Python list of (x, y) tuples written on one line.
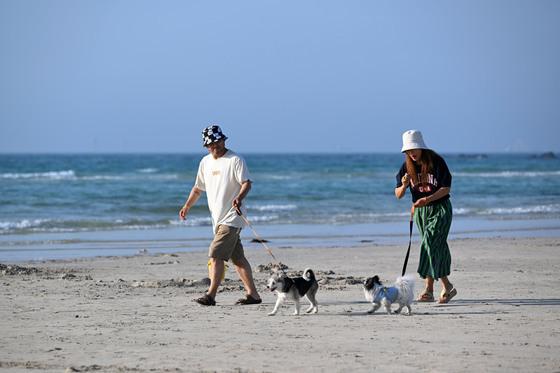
[(294, 289), (402, 293)]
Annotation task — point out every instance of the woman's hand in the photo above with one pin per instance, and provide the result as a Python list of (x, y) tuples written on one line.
[(405, 180), (421, 202)]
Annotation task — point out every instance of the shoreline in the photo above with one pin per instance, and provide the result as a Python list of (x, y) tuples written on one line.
[(119, 314), (36, 247)]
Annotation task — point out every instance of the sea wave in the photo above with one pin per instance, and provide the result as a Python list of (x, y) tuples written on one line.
[(102, 177), (275, 177), (66, 226), (148, 174), (273, 207), (25, 226), (192, 222), (539, 209), (49, 175), (508, 174), (264, 218), (515, 210), (21, 224)]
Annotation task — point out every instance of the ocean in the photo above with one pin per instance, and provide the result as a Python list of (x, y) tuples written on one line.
[(72, 205)]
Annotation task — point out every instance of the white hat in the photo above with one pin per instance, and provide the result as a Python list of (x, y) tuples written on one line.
[(412, 139)]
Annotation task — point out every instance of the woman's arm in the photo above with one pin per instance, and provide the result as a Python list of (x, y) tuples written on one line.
[(400, 191), (442, 192)]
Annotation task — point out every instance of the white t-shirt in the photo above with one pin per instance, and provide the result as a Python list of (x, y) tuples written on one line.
[(221, 179)]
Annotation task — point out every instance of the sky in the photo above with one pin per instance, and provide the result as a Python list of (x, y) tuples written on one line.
[(279, 76)]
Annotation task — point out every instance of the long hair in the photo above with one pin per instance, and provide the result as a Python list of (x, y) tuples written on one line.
[(426, 166)]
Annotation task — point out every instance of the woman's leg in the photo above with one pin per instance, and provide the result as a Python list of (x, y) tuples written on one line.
[(429, 284)]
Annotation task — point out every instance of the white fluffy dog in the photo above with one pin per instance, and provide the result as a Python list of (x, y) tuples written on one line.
[(294, 288), (402, 293)]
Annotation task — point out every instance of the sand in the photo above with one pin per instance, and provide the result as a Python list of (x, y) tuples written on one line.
[(120, 314)]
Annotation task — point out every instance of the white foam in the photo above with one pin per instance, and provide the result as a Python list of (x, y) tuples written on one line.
[(102, 177), (192, 222), (273, 207), (50, 175), (522, 210), (22, 224), (264, 218)]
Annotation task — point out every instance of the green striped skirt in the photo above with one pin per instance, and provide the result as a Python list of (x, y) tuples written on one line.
[(433, 222)]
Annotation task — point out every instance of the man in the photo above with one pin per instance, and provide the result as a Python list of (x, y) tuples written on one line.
[(224, 176)]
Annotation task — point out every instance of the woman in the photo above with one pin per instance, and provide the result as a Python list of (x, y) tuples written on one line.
[(426, 174)]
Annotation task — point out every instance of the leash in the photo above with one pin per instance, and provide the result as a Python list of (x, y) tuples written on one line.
[(409, 241), (260, 239)]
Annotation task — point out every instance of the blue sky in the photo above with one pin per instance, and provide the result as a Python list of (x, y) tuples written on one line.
[(312, 76)]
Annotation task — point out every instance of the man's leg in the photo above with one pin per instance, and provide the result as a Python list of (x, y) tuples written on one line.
[(244, 271), (220, 249), (216, 271)]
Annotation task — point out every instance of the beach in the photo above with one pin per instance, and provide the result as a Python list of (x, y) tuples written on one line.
[(135, 313)]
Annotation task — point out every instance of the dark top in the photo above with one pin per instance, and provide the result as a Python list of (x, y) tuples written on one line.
[(440, 177)]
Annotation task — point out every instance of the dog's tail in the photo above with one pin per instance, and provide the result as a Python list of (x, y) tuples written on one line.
[(406, 286), (308, 274)]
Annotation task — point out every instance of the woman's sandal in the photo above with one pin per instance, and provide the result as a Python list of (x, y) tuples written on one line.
[(445, 297), (206, 300), (426, 296)]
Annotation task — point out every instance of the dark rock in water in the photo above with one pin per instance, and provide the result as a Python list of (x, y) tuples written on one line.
[(547, 155), (258, 240), (205, 281), (473, 156)]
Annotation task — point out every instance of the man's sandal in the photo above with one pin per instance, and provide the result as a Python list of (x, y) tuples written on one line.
[(206, 300), (445, 297), (248, 300), (426, 296)]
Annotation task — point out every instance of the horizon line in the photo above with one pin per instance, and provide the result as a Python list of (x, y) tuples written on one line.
[(504, 152)]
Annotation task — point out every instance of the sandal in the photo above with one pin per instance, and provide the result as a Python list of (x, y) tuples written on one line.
[(248, 300), (206, 300), (446, 297), (426, 296)]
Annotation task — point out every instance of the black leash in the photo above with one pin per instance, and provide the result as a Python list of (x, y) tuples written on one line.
[(409, 242)]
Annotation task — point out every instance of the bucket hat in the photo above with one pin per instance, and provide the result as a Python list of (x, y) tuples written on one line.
[(212, 134), (412, 139)]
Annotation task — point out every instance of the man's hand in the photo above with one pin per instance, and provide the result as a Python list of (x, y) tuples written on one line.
[(183, 212), (193, 197), (237, 202)]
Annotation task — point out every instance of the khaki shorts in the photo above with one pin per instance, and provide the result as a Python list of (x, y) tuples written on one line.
[(227, 244)]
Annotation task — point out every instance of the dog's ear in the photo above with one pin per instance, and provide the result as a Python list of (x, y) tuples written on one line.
[(376, 280), (368, 283)]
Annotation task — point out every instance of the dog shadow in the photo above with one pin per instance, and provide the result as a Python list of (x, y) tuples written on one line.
[(510, 302), (454, 306)]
